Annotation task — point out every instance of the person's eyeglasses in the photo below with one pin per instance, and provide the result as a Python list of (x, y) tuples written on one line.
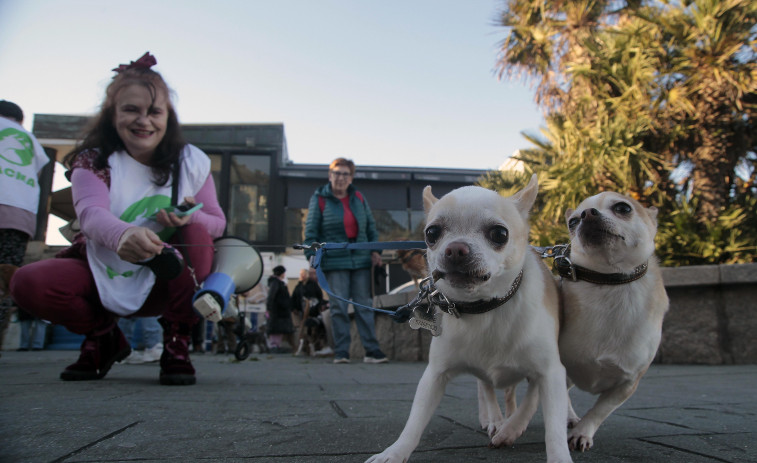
[(340, 174)]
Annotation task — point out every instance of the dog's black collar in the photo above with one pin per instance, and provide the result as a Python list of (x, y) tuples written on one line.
[(481, 306), (572, 272)]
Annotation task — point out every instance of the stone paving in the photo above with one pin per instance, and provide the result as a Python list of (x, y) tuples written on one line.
[(278, 408)]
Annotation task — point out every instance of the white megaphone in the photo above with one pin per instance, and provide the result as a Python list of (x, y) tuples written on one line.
[(237, 267)]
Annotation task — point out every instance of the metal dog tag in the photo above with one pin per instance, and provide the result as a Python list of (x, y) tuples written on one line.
[(423, 320)]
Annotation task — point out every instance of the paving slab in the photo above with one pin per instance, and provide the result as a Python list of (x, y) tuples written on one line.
[(279, 408)]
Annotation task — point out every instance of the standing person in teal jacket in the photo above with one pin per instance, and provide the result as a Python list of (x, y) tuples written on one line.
[(338, 213)]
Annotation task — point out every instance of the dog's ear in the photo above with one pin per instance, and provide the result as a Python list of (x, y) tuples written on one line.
[(652, 211), (525, 198), (428, 199)]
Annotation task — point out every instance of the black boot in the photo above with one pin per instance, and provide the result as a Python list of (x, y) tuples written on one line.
[(175, 367), (99, 351)]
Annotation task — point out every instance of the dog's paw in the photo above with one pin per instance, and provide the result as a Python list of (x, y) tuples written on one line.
[(579, 442), (506, 435), (387, 456), (573, 419), (483, 420), (491, 427)]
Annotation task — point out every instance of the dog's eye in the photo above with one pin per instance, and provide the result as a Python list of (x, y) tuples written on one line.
[(573, 223), (622, 208), (432, 234), (498, 234)]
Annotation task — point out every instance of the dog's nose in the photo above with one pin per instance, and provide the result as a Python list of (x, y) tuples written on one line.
[(590, 214), (456, 250)]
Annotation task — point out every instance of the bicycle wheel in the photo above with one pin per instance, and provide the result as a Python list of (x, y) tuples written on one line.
[(242, 351)]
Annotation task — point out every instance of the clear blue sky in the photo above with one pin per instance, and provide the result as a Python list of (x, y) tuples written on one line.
[(384, 82)]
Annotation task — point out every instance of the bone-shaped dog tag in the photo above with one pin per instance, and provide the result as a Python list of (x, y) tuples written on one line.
[(423, 320)]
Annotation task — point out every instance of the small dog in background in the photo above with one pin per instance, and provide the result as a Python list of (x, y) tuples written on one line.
[(413, 261), (312, 333), (257, 338), (614, 303), (503, 325)]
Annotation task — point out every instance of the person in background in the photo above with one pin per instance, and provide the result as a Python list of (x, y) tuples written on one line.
[(21, 160), (131, 165), (152, 334), (338, 213), (307, 289), (278, 305), (33, 332)]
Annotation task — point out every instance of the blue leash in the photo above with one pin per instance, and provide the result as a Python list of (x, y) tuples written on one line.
[(321, 248)]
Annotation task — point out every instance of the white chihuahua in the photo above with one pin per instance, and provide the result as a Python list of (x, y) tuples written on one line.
[(500, 316), (614, 303)]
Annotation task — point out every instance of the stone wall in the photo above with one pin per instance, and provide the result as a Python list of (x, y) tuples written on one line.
[(712, 319), (713, 315), (397, 340)]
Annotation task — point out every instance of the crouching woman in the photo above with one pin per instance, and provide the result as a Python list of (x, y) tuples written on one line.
[(131, 164)]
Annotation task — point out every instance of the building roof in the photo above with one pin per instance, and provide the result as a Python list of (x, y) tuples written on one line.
[(61, 132)]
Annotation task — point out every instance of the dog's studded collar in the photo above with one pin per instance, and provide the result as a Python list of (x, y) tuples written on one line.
[(572, 272), (456, 308)]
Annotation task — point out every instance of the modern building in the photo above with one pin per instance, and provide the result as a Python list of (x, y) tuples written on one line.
[(263, 194)]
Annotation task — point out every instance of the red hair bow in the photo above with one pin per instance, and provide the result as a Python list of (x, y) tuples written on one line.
[(145, 62)]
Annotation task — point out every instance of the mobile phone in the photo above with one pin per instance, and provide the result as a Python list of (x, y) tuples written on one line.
[(181, 210), (185, 209)]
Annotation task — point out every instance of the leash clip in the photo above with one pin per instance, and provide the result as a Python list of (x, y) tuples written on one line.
[(440, 300), (404, 313), (555, 251), (572, 273), (311, 246), (422, 309)]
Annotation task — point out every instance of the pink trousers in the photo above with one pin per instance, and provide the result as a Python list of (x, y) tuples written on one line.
[(63, 292)]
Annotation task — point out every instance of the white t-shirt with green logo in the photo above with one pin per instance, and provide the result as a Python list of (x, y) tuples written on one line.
[(21, 158), (134, 197)]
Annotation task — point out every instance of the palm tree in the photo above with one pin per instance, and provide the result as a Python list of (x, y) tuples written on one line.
[(707, 55), (627, 108)]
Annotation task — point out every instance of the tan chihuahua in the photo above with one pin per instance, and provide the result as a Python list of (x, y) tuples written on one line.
[(500, 320), (614, 303)]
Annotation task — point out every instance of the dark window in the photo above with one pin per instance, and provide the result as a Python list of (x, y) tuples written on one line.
[(249, 183), (295, 226)]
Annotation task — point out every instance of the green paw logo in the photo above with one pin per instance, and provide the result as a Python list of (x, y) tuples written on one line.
[(112, 274), (146, 207), (16, 147)]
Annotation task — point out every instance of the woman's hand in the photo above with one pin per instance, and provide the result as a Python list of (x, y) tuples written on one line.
[(138, 244), (376, 259), (173, 220)]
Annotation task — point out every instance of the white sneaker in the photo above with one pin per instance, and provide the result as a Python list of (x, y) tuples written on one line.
[(325, 352), (134, 358), (375, 360), (152, 354), (342, 360)]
